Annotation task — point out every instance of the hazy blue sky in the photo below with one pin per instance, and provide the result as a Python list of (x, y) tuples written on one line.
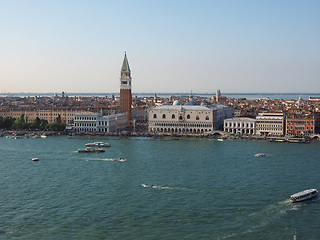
[(172, 46)]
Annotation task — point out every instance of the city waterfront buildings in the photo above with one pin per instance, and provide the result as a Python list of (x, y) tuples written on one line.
[(300, 124), (270, 123), (188, 118), (96, 122), (240, 125), (49, 114)]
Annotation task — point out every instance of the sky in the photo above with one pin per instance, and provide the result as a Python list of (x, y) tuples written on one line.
[(177, 46)]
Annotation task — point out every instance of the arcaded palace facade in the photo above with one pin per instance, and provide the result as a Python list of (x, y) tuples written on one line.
[(187, 118)]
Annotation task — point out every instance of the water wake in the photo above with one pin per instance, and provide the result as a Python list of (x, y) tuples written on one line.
[(107, 159), (164, 187), (260, 219)]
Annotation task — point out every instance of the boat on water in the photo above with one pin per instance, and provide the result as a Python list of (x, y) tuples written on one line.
[(304, 195), (90, 150), (260, 155), (35, 159), (119, 160), (98, 144), (147, 186), (44, 136), (220, 139)]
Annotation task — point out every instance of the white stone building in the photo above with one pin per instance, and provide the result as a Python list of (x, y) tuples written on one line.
[(189, 118), (240, 125), (270, 124), (96, 122), (221, 112)]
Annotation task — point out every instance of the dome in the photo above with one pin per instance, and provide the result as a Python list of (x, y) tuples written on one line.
[(204, 104), (177, 102), (193, 101)]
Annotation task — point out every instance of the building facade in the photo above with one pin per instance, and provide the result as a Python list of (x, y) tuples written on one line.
[(125, 89), (189, 118), (221, 112), (95, 122), (240, 125), (270, 124), (67, 115), (300, 124)]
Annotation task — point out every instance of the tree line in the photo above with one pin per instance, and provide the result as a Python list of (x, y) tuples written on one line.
[(21, 123)]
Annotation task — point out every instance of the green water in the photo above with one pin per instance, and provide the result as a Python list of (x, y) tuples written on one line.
[(203, 189)]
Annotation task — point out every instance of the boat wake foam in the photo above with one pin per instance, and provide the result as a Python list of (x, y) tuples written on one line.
[(258, 220), (107, 159), (164, 187)]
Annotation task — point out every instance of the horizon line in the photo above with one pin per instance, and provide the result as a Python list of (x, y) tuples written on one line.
[(175, 93)]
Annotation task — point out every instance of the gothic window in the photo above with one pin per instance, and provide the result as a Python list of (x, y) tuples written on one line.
[(207, 117), (173, 116), (154, 115), (188, 116), (163, 116), (197, 117), (180, 117)]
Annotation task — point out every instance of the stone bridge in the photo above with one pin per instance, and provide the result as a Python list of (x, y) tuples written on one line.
[(314, 136)]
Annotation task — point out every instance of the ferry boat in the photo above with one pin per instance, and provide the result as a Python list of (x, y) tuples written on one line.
[(98, 144), (304, 195), (90, 150)]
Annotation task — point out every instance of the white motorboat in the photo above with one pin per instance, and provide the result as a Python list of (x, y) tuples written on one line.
[(147, 186), (304, 195), (35, 159), (98, 144), (90, 150), (260, 155), (119, 160)]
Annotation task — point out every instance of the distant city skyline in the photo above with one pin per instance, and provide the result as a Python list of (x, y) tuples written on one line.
[(172, 46)]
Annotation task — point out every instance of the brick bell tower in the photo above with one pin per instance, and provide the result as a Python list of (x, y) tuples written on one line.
[(125, 89)]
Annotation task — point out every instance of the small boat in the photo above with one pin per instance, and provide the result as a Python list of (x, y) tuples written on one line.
[(220, 139), (98, 144), (304, 195), (260, 155), (119, 160), (36, 136), (44, 136), (35, 159), (90, 150), (147, 186)]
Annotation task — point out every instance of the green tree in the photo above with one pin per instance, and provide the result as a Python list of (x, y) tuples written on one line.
[(20, 123), (37, 122), (17, 124), (21, 119), (8, 122), (58, 120), (43, 124)]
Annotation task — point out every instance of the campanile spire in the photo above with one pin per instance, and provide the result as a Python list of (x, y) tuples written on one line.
[(125, 88)]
